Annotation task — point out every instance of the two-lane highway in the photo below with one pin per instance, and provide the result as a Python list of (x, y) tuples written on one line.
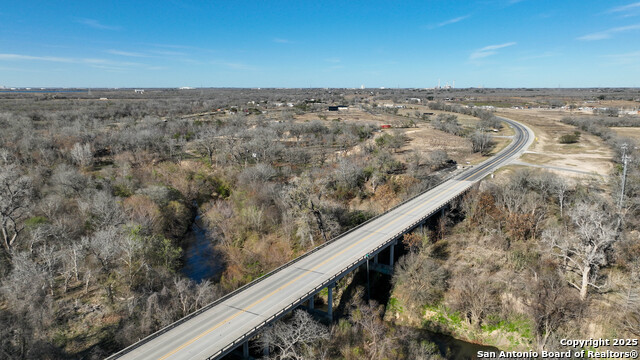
[(224, 324)]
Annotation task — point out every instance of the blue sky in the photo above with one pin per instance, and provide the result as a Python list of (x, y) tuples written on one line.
[(491, 43)]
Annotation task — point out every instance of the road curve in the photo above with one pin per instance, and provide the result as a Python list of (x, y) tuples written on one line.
[(219, 327)]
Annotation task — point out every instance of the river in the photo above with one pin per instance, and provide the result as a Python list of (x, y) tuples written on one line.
[(201, 261)]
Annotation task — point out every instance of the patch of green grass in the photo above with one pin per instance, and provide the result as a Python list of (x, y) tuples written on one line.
[(395, 306), (35, 221), (455, 317), (121, 190), (518, 324), (443, 317)]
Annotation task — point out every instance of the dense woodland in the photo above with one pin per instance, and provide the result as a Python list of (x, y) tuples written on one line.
[(97, 197)]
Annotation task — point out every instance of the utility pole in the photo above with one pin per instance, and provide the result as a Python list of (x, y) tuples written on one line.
[(625, 160)]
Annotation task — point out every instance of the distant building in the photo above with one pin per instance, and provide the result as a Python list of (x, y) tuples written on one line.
[(139, 91), (333, 108), (339, 108)]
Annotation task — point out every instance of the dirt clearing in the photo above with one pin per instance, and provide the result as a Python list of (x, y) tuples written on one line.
[(590, 154)]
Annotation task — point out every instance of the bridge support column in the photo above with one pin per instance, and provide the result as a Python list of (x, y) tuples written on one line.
[(368, 289), (310, 305), (375, 258), (330, 302), (391, 247), (245, 350)]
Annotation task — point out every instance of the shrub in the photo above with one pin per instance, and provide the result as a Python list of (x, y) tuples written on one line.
[(570, 138)]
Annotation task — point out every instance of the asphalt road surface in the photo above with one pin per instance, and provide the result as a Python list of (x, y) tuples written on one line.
[(214, 331)]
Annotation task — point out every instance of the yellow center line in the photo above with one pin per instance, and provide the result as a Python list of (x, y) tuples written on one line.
[(326, 260)]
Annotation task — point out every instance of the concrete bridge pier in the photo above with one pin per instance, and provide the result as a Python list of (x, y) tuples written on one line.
[(310, 303), (330, 301), (391, 247), (245, 350), (381, 267)]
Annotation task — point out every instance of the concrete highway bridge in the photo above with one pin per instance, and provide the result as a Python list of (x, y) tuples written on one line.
[(231, 321)]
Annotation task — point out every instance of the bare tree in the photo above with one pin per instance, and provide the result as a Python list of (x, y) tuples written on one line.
[(481, 142), (291, 340), (475, 298), (438, 159), (82, 154), (304, 203), (102, 209), (560, 188), (584, 252), (15, 193), (104, 245), (209, 141), (69, 179), (629, 302), (550, 305), (183, 288), (368, 318), (420, 279)]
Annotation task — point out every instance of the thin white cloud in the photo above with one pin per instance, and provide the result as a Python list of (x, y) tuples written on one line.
[(109, 68), (68, 60), (282, 41), (125, 53), (452, 21), (2, 68), (168, 53), (489, 50), (625, 59), (18, 57), (539, 56), (332, 60), (607, 34), (235, 65), (182, 47), (97, 25), (625, 8)]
